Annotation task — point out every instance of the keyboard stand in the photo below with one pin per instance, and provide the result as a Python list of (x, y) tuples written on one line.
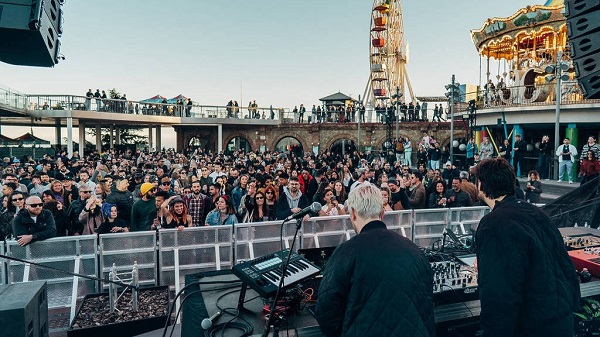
[(242, 299)]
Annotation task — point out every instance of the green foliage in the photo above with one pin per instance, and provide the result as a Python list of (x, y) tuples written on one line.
[(129, 135), (591, 309)]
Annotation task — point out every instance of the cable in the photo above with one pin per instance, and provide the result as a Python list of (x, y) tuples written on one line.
[(458, 297), (181, 291), (69, 272)]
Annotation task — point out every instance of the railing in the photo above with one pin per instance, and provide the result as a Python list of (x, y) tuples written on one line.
[(12, 98), (529, 95), (70, 102), (165, 258)]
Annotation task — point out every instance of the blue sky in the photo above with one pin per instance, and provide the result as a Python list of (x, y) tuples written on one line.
[(275, 52)]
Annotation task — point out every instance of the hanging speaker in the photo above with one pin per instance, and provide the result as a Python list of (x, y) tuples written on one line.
[(585, 45), (574, 8), (586, 65), (590, 86), (583, 24), (30, 32)]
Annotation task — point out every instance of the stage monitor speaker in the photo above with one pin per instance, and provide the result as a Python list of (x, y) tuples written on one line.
[(574, 8), (590, 86), (30, 32), (583, 24), (24, 309)]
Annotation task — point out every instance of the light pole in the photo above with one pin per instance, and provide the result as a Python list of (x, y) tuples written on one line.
[(556, 72), (397, 97), (454, 95)]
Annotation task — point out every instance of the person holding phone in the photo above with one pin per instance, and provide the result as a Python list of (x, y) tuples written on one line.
[(332, 206)]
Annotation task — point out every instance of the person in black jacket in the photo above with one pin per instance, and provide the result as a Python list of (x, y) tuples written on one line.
[(123, 199), (527, 282), (378, 283), (291, 200), (33, 223), (519, 152)]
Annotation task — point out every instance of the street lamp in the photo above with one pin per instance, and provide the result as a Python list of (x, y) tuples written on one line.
[(453, 95), (397, 97), (556, 72)]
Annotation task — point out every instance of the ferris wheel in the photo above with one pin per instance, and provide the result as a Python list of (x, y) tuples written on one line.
[(388, 54)]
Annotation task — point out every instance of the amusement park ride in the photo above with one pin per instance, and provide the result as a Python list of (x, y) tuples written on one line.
[(388, 55)]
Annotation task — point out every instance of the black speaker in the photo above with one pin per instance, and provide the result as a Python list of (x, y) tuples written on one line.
[(574, 8), (590, 86), (585, 45), (30, 32), (583, 24), (587, 65), (24, 309)]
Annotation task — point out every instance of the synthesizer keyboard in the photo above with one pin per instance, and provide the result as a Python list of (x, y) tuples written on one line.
[(264, 273), (586, 258)]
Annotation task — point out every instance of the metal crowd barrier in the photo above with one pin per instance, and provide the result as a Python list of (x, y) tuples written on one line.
[(124, 249), (76, 254), (165, 258)]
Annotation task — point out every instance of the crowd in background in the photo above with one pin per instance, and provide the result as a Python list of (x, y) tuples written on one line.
[(140, 190)]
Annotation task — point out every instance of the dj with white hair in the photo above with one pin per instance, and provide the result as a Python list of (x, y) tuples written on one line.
[(378, 283)]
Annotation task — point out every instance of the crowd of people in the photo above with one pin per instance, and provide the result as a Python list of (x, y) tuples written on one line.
[(138, 191)]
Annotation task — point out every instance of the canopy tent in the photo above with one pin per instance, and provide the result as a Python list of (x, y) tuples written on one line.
[(176, 98), (7, 141), (154, 99), (30, 139)]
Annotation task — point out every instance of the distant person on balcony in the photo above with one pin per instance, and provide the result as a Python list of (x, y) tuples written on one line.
[(544, 157), (436, 114), (295, 112), (471, 151), (104, 99), (566, 157), (88, 100), (98, 97), (519, 152), (302, 112)]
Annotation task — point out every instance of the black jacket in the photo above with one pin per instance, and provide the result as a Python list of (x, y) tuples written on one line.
[(527, 282), (42, 228), (376, 284), (282, 206), (124, 202)]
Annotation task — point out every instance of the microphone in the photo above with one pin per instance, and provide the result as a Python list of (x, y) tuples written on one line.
[(208, 322), (315, 207)]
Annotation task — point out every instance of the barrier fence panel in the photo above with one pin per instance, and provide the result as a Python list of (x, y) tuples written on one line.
[(76, 254), (257, 239), (465, 219), (193, 250), (2, 264), (429, 225), (124, 249), (329, 231), (400, 222)]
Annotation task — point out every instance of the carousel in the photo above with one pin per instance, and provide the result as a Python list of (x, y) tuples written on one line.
[(522, 46)]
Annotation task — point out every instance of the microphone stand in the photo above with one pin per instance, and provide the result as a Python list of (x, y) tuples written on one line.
[(284, 268)]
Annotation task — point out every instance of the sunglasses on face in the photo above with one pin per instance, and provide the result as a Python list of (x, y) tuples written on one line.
[(260, 198), (84, 192), (35, 205), (17, 199), (166, 184)]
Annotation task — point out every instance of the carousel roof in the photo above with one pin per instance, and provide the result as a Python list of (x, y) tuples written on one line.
[(495, 39)]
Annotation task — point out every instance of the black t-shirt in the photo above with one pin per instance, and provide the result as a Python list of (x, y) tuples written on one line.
[(565, 151)]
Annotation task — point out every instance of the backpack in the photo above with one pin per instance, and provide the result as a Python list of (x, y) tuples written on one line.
[(399, 147)]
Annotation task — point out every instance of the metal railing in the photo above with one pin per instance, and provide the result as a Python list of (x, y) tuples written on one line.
[(165, 257), (12, 98), (72, 102)]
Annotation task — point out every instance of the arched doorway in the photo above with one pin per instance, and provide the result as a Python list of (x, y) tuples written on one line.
[(343, 146), (290, 144), (238, 143)]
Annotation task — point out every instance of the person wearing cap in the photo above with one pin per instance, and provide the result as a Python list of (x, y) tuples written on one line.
[(165, 186), (142, 208), (450, 172), (122, 198), (33, 223)]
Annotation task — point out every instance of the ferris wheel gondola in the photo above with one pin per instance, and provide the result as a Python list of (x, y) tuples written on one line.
[(388, 53)]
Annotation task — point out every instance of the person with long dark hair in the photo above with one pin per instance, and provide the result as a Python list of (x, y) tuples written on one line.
[(223, 214), (590, 167), (437, 199), (533, 192), (176, 213)]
